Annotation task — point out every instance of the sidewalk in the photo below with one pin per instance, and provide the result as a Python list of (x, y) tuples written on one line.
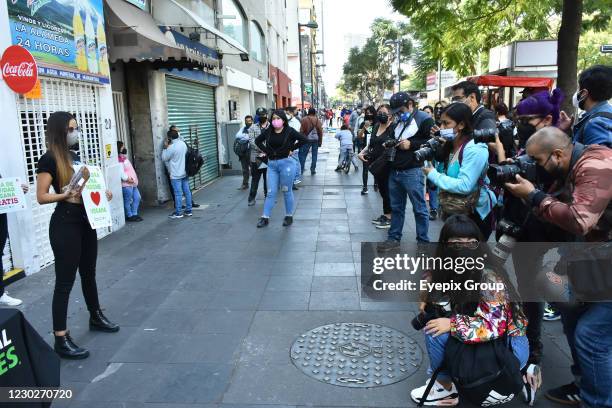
[(210, 306)]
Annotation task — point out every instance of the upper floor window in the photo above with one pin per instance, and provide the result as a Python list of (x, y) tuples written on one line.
[(256, 42), (234, 27)]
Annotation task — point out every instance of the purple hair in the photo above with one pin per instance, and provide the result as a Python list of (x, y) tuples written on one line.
[(542, 103)]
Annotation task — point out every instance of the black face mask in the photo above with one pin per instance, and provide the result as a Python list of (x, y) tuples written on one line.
[(524, 132), (382, 118), (247, 125), (124, 151), (263, 119), (369, 117)]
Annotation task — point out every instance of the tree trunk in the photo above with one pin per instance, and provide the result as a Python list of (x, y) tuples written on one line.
[(567, 51)]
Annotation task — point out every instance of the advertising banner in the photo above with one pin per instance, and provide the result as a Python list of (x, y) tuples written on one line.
[(11, 195), (66, 37), (94, 199)]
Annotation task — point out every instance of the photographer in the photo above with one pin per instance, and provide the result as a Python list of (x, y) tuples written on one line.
[(506, 129), (465, 316), (467, 92), (461, 174), (582, 208), (406, 180)]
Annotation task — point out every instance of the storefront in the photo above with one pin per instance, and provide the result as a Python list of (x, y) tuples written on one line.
[(73, 74), (281, 87)]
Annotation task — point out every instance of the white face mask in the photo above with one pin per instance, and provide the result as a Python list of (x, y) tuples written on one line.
[(578, 103), (73, 137), (447, 134)]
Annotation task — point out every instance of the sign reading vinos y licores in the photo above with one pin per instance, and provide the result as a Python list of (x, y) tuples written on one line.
[(11, 195), (66, 37), (94, 199)]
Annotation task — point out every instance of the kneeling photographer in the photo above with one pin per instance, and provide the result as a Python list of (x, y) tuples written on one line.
[(468, 332), (581, 206), (461, 174)]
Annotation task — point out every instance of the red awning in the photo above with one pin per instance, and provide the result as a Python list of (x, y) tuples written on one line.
[(515, 81)]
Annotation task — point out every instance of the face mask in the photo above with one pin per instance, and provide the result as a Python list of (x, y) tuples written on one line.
[(382, 118), (447, 134), (247, 125), (263, 119), (578, 103), (524, 132), (277, 123), (404, 116), (124, 151), (369, 117), (73, 137)]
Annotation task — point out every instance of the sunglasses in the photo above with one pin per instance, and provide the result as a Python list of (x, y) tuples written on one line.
[(463, 245)]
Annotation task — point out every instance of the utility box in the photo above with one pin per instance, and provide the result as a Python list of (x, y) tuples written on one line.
[(228, 134)]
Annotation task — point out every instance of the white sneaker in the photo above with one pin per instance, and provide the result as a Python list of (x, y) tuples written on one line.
[(438, 396), (6, 300), (532, 380)]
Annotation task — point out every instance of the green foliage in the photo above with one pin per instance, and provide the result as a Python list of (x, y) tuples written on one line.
[(588, 50), (367, 71)]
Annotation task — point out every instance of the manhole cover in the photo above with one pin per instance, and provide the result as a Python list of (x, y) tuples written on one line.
[(356, 354)]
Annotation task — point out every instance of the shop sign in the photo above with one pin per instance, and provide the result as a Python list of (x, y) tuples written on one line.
[(18, 69), (66, 37), (11, 195)]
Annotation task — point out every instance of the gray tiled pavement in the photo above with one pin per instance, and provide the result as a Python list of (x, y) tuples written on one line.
[(209, 306)]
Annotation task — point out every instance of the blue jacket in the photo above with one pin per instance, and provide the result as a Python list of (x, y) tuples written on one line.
[(464, 179), (597, 130)]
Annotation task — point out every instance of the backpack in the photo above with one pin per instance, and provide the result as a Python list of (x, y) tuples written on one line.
[(193, 161), (241, 147), (313, 136), (485, 374)]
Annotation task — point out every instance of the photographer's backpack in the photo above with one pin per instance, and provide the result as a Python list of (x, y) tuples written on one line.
[(241, 147), (193, 161), (485, 374)]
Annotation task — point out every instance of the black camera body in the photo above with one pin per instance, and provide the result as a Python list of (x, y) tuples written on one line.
[(503, 173), (428, 150), (485, 135), (432, 311), (391, 144), (510, 233)]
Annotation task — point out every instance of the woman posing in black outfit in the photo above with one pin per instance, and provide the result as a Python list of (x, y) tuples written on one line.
[(361, 141), (74, 242), (382, 132)]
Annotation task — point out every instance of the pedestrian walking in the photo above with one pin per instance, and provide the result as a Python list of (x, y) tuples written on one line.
[(129, 185), (173, 156), (277, 143), (73, 241), (258, 158), (313, 130), (243, 150)]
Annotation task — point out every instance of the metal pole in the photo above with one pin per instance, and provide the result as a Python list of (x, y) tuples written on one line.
[(301, 69), (399, 75), (439, 80)]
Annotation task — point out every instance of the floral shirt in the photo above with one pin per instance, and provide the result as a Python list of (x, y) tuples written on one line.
[(493, 317)]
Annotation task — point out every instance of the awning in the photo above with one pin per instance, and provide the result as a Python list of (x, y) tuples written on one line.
[(135, 35), (172, 13), (513, 81)]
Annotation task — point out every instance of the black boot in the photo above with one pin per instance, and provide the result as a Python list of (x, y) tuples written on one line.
[(288, 221), (65, 348), (99, 322)]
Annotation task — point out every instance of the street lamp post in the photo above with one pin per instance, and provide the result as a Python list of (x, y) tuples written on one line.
[(311, 24), (398, 44)]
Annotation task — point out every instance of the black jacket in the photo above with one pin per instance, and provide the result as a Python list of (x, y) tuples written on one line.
[(277, 146), (482, 118)]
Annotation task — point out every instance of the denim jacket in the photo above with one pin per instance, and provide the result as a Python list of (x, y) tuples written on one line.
[(598, 130), (463, 179)]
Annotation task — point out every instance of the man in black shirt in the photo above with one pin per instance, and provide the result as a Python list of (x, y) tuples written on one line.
[(467, 92), (406, 179)]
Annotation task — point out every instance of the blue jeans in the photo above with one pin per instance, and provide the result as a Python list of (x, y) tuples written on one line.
[(304, 149), (180, 187), (593, 342), (408, 183), (131, 201), (298, 169), (281, 174), (433, 198), (437, 345)]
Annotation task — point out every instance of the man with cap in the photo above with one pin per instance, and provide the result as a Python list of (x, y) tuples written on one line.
[(258, 158), (406, 180)]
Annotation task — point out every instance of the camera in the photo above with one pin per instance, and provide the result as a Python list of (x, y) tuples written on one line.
[(432, 311), (502, 173), (392, 146), (485, 135), (509, 234), (428, 150)]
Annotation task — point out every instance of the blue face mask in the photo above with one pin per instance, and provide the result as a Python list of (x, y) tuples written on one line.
[(404, 116), (448, 134)]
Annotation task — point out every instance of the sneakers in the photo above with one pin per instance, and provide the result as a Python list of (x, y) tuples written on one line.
[(550, 314), (532, 380), (313, 172), (364, 191), (388, 245), (251, 203), (6, 300), (378, 220), (568, 394), (438, 396), (188, 214), (175, 216), (287, 221), (433, 214), (339, 168), (263, 222), (384, 223)]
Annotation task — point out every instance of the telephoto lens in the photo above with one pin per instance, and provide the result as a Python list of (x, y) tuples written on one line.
[(485, 135)]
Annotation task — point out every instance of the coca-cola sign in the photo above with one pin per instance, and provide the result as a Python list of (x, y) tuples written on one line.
[(19, 69)]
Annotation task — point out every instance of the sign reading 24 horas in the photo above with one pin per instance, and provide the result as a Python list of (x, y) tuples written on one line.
[(66, 37)]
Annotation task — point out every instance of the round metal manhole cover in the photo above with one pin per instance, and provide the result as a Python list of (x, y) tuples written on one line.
[(356, 354)]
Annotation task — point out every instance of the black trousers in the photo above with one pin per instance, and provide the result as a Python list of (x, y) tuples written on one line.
[(383, 189), (255, 176), (364, 174), (3, 238), (245, 162), (75, 246)]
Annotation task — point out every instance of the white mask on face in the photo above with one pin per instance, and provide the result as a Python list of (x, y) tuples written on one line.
[(73, 137), (578, 103), (447, 134)]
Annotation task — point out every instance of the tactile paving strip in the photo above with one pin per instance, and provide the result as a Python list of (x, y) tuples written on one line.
[(356, 355)]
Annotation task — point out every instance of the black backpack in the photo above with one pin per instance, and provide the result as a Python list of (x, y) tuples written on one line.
[(193, 161), (485, 374), (241, 147)]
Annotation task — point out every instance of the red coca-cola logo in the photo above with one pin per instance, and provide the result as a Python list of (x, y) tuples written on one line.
[(19, 69)]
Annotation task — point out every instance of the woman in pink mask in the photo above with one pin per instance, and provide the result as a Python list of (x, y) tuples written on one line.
[(129, 184), (277, 142)]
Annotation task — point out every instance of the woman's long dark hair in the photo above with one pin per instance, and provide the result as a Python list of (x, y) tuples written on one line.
[(57, 144), (461, 226), (459, 113)]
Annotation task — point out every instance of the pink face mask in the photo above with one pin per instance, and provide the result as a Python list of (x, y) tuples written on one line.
[(277, 123)]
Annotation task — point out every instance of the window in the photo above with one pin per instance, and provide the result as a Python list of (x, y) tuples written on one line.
[(256, 42), (234, 27)]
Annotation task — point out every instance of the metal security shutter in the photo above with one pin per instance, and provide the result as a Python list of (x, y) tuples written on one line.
[(7, 259), (81, 100), (191, 107)]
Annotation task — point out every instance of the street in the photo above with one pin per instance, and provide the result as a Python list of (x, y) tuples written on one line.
[(210, 306)]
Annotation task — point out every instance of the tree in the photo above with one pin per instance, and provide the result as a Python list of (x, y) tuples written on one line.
[(367, 71), (460, 33)]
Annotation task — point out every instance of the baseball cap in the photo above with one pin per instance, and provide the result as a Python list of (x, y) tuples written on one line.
[(398, 100)]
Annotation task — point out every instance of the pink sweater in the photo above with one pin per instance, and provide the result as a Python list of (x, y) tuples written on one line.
[(128, 171)]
